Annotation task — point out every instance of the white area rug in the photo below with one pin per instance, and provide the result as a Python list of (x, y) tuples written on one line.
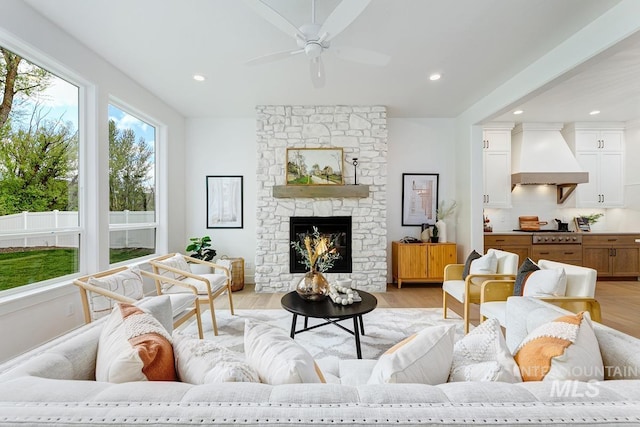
[(383, 327)]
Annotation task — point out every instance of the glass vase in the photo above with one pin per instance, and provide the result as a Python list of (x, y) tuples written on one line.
[(313, 286)]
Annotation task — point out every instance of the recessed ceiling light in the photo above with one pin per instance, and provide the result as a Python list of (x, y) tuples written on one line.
[(434, 77), (518, 112), (199, 77), (594, 112)]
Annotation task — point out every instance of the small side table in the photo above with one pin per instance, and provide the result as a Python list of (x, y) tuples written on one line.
[(331, 312)]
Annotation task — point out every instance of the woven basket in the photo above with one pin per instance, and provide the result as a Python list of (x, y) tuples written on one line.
[(237, 273)]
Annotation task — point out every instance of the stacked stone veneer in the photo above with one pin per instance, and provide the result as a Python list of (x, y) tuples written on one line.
[(361, 131)]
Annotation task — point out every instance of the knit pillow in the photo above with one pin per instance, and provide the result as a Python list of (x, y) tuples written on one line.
[(565, 349), (202, 362), (483, 355), (134, 346)]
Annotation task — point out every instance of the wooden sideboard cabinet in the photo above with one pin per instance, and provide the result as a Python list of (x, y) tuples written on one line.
[(421, 262), (612, 254), (519, 244)]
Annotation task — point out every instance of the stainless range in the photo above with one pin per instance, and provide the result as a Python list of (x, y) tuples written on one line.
[(557, 246)]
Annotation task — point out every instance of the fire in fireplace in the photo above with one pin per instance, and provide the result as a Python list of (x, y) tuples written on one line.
[(340, 225)]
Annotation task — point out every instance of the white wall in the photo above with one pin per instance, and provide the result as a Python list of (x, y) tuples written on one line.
[(28, 320), (222, 147)]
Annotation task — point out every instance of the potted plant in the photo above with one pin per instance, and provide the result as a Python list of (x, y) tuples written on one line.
[(200, 248), (434, 234)]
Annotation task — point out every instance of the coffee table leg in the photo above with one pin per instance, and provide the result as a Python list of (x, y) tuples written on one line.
[(293, 325), (356, 333), (306, 322), (361, 325)]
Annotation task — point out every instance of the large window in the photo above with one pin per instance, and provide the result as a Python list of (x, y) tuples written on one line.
[(132, 189), (39, 174)]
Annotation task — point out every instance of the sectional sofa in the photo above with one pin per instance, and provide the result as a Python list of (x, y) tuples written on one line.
[(55, 385)]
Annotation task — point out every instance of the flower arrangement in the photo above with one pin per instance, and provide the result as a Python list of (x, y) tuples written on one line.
[(443, 211), (592, 218), (318, 251)]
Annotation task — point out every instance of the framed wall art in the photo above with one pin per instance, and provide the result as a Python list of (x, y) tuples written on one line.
[(314, 166), (419, 198), (224, 201)]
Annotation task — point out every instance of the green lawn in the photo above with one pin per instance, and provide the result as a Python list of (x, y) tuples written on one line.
[(25, 267)]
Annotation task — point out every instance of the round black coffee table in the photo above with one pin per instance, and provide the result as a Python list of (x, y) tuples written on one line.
[(331, 312)]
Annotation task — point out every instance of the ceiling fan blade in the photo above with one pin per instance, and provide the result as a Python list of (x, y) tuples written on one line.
[(272, 16), (343, 15), (276, 56), (363, 56), (316, 69)]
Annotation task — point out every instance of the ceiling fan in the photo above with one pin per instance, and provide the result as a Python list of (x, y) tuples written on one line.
[(313, 39)]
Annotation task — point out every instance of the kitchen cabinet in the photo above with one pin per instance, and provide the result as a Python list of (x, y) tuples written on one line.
[(568, 254), (601, 153), (496, 156), (421, 262), (514, 243), (612, 254)]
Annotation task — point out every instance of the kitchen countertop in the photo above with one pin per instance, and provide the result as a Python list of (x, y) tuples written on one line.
[(516, 233)]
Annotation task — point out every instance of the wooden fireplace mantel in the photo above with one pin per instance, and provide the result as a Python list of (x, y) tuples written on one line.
[(318, 191)]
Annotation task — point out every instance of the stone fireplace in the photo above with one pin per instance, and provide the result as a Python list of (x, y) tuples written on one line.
[(361, 131)]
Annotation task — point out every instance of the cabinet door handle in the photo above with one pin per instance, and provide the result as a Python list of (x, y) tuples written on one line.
[(568, 253), (612, 240), (615, 252), (499, 240), (544, 253)]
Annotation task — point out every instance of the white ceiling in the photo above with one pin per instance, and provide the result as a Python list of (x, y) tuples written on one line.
[(476, 44)]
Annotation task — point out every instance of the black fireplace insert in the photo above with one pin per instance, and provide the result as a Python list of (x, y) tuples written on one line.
[(327, 225)]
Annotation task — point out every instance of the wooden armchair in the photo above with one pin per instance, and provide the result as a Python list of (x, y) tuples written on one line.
[(467, 291), (579, 294), (99, 292), (172, 275)]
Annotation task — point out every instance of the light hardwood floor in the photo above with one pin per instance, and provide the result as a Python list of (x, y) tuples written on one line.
[(619, 300)]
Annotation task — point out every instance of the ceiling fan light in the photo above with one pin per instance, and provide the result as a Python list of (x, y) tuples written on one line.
[(312, 50)]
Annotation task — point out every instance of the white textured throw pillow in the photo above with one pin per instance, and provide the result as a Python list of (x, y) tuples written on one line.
[(546, 282), (178, 262), (127, 283), (423, 358), (203, 362), (483, 355), (486, 264), (278, 358)]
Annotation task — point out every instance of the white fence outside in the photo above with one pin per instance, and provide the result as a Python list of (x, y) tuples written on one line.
[(33, 222)]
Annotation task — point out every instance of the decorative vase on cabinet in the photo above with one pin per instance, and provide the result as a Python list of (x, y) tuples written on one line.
[(442, 230)]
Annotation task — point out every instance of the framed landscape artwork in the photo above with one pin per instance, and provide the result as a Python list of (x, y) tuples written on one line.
[(224, 201), (314, 166), (419, 198)]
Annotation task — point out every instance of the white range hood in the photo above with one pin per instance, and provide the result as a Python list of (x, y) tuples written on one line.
[(540, 155)]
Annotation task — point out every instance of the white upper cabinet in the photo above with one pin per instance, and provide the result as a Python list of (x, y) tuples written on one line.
[(496, 156), (599, 151)]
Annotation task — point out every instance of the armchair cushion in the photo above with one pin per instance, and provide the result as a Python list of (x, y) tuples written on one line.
[(177, 262), (467, 264), (217, 281), (127, 283)]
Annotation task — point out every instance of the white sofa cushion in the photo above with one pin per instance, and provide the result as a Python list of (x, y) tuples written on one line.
[(424, 357), (564, 349), (276, 357), (203, 362), (134, 346), (482, 355)]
